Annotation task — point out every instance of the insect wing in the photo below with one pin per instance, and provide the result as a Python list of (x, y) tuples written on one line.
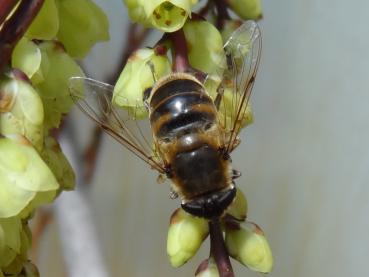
[(94, 98), (234, 80)]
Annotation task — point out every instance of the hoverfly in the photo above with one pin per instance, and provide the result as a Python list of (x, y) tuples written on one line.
[(188, 143)]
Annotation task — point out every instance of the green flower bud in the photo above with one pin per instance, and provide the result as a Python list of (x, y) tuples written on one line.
[(56, 67), (205, 45), (26, 57), (207, 268), (1, 273), (136, 77), (15, 267), (238, 209), (21, 110), (168, 16), (249, 246), (46, 24), (246, 9), (58, 163), (23, 174), (185, 236), (82, 24), (11, 241), (136, 11)]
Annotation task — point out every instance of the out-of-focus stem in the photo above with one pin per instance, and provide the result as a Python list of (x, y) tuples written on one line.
[(218, 250), (80, 244), (14, 28), (222, 10)]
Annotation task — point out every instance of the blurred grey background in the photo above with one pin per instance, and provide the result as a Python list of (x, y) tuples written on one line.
[(305, 160)]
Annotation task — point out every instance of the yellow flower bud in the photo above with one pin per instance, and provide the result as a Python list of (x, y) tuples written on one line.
[(238, 209), (185, 236), (26, 56), (21, 110), (136, 77), (249, 246), (23, 174), (246, 9)]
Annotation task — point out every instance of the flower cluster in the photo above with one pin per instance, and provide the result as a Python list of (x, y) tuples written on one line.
[(33, 98)]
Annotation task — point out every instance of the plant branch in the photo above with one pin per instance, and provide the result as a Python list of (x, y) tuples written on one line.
[(14, 28), (6, 6), (218, 250), (180, 51)]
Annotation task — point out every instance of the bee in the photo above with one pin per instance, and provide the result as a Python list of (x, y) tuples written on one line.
[(189, 142)]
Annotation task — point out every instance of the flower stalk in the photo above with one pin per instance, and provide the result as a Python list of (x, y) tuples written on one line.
[(14, 28), (180, 51), (218, 250)]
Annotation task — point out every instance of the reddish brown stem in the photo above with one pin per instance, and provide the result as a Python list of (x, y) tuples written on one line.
[(180, 51), (219, 251), (6, 6), (14, 28)]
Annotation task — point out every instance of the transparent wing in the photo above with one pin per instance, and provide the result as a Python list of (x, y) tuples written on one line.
[(94, 98), (234, 79)]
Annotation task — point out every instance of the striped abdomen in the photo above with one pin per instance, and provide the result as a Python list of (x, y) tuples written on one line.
[(180, 106), (184, 122)]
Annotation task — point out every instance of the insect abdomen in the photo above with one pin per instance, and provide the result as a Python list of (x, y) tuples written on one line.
[(180, 106)]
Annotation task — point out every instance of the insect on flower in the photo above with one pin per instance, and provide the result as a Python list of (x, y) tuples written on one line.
[(189, 142)]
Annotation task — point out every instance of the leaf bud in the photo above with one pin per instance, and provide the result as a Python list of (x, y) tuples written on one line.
[(248, 244), (185, 236)]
